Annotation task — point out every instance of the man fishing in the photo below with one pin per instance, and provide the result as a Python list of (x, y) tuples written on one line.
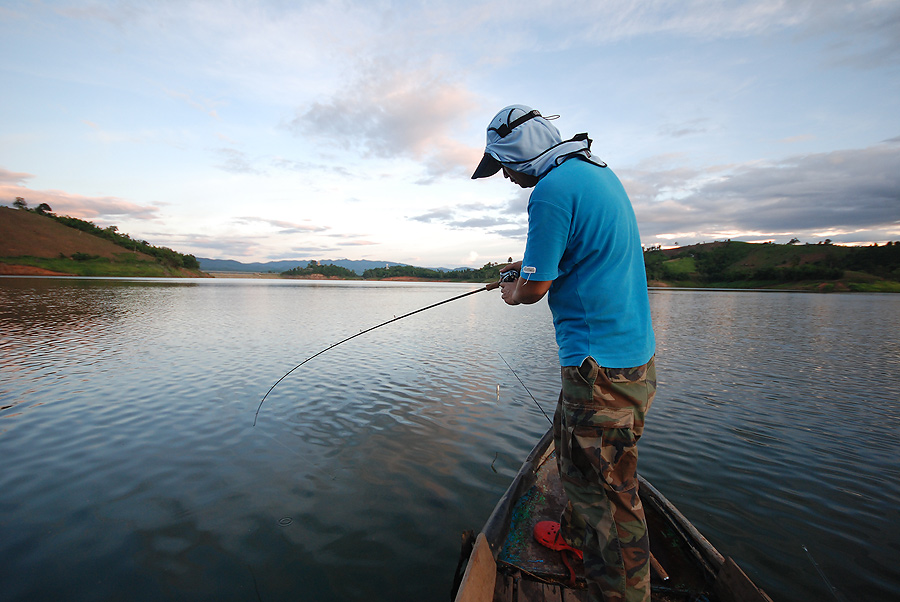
[(584, 251)]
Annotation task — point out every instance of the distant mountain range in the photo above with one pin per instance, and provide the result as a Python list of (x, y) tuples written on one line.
[(230, 265)]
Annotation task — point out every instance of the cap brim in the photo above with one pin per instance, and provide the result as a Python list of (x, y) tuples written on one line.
[(488, 167)]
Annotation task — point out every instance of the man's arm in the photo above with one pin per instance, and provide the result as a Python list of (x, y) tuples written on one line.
[(523, 291), (526, 291)]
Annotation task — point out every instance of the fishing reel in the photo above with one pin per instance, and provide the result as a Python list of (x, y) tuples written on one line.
[(510, 276)]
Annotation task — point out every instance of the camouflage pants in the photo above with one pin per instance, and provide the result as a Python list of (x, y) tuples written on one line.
[(598, 421)]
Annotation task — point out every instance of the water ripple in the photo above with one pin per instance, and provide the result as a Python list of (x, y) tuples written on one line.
[(131, 466)]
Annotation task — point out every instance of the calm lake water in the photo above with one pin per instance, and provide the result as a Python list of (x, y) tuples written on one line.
[(131, 469)]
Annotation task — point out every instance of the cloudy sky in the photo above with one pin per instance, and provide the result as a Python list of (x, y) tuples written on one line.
[(349, 129)]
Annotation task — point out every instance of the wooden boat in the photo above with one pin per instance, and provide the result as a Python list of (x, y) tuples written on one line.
[(504, 563)]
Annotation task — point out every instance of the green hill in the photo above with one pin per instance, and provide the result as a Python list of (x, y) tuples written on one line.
[(734, 264), (37, 242)]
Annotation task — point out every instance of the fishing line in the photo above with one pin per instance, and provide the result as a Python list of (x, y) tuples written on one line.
[(487, 287), (834, 591), (526, 388)]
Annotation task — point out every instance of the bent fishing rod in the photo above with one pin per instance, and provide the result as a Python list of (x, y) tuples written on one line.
[(510, 276)]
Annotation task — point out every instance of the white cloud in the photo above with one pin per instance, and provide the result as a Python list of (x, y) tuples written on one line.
[(10, 177), (394, 110), (203, 105), (236, 161), (91, 208), (283, 227)]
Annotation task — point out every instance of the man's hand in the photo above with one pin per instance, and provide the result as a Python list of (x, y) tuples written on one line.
[(522, 291), (508, 291)]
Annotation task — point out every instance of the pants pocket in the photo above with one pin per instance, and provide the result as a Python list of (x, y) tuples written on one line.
[(605, 445)]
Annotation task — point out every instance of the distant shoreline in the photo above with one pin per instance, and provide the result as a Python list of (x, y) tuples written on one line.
[(7, 269), (274, 276), (267, 275), (10, 269)]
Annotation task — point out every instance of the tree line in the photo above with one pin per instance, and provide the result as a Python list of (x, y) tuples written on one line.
[(329, 270), (723, 263), (488, 272), (706, 264)]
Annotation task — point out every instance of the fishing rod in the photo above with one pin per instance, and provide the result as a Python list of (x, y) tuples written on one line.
[(510, 276), (526, 388)]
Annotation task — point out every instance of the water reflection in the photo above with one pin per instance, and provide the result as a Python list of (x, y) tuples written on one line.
[(775, 394), (132, 469)]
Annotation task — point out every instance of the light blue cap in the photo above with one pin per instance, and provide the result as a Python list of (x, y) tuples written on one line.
[(521, 139)]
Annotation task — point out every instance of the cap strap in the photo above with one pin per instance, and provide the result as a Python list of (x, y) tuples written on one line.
[(504, 130)]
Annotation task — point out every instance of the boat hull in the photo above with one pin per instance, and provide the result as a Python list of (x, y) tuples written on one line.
[(506, 563)]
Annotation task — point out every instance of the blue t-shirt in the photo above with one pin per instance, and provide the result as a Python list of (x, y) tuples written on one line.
[(583, 235)]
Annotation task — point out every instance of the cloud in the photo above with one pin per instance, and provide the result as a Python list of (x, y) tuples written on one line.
[(346, 241), (360, 243), (863, 33), (483, 221), (441, 214), (236, 161), (508, 219), (208, 246), (395, 111), (860, 35), (283, 227), (686, 128), (846, 191), (203, 104), (798, 138), (500, 220), (256, 44), (12, 177), (316, 251), (237, 246), (103, 208), (307, 166)]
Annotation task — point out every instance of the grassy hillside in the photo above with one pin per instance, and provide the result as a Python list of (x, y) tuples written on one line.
[(33, 242), (733, 264)]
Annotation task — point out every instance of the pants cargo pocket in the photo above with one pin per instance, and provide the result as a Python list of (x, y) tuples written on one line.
[(607, 445)]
